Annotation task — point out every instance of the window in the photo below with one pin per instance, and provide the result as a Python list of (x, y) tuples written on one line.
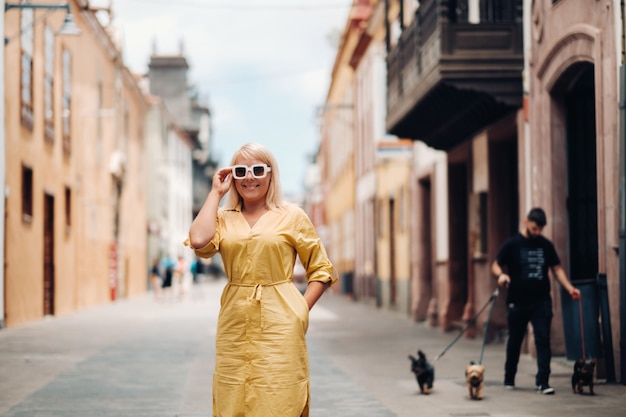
[(68, 207), (67, 94), (48, 81), (27, 193), (27, 47)]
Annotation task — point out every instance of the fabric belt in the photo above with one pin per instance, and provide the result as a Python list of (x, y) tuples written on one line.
[(257, 292)]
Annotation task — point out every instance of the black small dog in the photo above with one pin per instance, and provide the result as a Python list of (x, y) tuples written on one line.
[(583, 375), (424, 372)]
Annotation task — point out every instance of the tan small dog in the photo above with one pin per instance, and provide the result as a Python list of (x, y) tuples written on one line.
[(474, 374)]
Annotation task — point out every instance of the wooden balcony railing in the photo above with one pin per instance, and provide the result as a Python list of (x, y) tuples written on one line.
[(447, 77)]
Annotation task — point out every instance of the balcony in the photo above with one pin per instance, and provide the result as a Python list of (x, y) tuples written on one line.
[(447, 77)]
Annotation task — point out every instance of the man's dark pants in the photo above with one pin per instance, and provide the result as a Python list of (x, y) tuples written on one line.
[(540, 316)]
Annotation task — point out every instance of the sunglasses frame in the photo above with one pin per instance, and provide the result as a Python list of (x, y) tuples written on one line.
[(266, 169)]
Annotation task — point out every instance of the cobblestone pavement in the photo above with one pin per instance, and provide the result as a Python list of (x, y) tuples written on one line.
[(142, 358)]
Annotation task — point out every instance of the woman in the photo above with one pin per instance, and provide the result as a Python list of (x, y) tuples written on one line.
[(261, 366)]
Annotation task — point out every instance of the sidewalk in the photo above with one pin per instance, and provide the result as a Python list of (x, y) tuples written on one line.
[(141, 358), (370, 347)]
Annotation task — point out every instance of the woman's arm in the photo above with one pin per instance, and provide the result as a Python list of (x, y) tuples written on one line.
[(314, 291), (204, 225), (319, 270)]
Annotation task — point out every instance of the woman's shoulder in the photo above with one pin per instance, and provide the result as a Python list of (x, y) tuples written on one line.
[(291, 209)]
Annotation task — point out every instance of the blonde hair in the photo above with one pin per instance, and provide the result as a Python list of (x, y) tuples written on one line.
[(274, 198)]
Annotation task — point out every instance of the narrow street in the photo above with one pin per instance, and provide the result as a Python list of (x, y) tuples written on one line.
[(143, 358)]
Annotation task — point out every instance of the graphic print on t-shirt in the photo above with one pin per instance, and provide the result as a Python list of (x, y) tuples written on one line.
[(532, 261)]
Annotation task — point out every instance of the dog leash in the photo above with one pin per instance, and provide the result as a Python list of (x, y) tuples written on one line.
[(486, 331), (582, 326), (470, 323)]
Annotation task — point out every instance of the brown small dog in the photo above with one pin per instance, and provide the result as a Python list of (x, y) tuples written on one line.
[(474, 375), (583, 375)]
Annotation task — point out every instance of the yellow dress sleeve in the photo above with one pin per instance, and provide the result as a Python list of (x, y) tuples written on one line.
[(213, 246), (312, 253)]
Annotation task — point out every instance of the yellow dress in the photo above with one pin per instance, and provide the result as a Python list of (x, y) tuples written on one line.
[(262, 366)]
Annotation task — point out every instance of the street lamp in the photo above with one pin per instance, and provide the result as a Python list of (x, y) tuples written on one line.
[(69, 26)]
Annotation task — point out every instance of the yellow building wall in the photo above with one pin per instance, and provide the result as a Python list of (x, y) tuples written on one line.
[(26, 146), (393, 182), (134, 217), (340, 201), (81, 249)]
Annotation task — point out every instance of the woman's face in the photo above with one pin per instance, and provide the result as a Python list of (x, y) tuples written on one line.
[(250, 188)]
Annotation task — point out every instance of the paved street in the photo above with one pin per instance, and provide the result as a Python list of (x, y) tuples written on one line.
[(142, 358)]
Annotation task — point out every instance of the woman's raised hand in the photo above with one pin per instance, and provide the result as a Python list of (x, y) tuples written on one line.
[(222, 180)]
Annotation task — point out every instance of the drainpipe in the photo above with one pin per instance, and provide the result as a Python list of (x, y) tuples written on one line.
[(3, 191), (622, 221)]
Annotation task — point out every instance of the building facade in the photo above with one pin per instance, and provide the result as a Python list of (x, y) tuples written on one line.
[(75, 219), (336, 153), (185, 165), (455, 84), (521, 96), (569, 156), (368, 63), (169, 182), (392, 225)]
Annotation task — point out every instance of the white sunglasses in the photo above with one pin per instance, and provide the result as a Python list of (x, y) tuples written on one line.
[(258, 171)]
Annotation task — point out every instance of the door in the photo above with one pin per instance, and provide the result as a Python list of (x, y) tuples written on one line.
[(425, 260), (393, 290), (582, 200), (458, 232), (48, 255)]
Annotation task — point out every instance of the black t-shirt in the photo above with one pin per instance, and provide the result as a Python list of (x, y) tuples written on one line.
[(527, 262)]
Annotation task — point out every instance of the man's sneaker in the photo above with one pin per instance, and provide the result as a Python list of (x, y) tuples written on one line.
[(509, 385), (545, 389)]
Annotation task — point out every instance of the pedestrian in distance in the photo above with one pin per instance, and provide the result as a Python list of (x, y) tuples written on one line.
[(179, 276), (193, 270), (522, 266), (167, 266), (261, 367), (155, 279)]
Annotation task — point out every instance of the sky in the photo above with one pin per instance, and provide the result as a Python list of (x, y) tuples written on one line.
[(262, 66)]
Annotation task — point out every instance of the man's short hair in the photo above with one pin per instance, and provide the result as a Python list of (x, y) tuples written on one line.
[(538, 216)]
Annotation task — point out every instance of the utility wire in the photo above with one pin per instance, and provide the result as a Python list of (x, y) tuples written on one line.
[(247, 7)]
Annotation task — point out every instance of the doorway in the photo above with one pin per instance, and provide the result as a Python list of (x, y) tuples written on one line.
[(392, 253), (582, 188), (458, 238), (425, 256), (48, 255)]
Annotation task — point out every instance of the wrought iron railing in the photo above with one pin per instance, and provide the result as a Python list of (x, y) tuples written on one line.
[(437, 29)]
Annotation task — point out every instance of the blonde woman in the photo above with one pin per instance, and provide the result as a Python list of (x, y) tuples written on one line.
[(261, 367)]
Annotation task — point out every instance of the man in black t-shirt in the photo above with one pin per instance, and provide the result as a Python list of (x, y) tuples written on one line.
[(527, 257)]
